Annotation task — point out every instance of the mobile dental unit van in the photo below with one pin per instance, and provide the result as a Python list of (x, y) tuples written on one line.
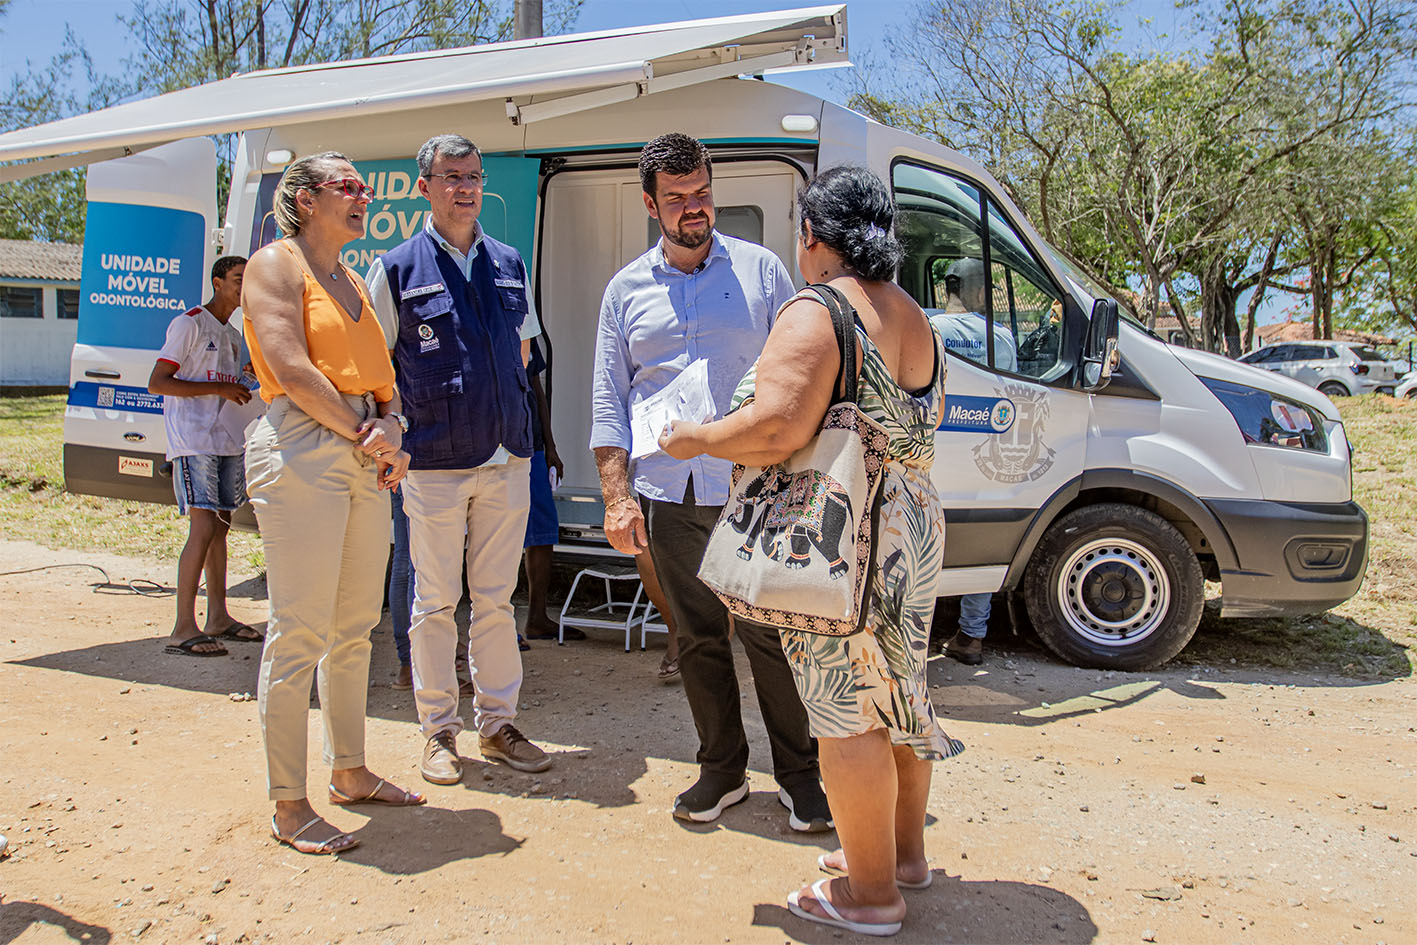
[(1080, 459)]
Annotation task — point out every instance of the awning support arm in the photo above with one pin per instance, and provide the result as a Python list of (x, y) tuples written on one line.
[(23, 170)]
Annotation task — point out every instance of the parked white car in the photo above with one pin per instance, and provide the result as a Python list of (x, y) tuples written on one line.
[(1407, 386), (1336, 368)]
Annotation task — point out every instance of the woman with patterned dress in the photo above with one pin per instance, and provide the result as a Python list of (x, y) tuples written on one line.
[(866, 694)]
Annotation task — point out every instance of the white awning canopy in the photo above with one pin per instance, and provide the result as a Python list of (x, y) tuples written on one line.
[(584, 70)]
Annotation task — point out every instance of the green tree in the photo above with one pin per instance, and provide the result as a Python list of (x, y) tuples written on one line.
[(1211, 166), (181, 43), (50, 207)]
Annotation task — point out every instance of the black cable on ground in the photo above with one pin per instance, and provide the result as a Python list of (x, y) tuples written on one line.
[(107, 581)]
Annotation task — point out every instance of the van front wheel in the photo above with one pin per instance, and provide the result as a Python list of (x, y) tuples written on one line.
[(1114, 586)]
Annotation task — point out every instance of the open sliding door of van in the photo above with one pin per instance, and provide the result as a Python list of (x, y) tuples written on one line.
[(600, 226), (147, 253)]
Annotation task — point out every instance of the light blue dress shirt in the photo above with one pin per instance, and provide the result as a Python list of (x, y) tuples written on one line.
[(654, 321)]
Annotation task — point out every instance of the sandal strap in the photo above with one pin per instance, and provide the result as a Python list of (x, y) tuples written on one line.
[(296, 836), (819, 894)]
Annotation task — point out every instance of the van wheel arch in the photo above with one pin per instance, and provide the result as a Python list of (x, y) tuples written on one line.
[(1188, 514)]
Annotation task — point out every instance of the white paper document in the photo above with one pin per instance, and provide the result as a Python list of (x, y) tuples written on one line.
[(235, 418), (687, 397)]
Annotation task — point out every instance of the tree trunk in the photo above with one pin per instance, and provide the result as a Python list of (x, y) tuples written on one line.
[(1219, 297)]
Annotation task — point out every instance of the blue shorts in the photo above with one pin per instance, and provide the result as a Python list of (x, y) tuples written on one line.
[(542, 526), (204, 481)]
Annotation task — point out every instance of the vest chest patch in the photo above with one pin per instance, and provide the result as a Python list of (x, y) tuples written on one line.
[(509, 283), (422, 290)]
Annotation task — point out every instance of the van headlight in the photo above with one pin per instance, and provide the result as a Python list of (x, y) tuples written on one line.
[(1268, 419)]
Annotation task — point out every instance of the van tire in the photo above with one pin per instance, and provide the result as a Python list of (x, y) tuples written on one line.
[(1093, 553), (1333, 389)]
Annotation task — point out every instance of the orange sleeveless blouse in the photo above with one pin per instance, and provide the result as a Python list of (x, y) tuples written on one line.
[(350, 353)]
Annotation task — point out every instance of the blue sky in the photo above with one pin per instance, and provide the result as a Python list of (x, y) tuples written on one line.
[(34, 29)]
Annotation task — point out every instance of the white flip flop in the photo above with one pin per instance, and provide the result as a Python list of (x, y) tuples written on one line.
[(830, 870), (836, 920)]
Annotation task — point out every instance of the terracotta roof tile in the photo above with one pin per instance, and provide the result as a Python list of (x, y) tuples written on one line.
[(23, 259)]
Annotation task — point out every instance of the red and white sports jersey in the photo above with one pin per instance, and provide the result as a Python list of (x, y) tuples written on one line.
[(204, 350)]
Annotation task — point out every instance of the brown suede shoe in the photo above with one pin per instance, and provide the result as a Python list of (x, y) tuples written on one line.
[(968, 650), (404, 680), (441, 764), (511, 747)]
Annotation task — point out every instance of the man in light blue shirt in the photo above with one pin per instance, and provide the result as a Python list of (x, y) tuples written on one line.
[(696, 295)]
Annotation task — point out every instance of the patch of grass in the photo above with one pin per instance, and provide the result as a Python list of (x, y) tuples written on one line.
[(35, 507)]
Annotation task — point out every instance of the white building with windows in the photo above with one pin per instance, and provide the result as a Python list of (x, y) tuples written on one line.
[(39, 312)]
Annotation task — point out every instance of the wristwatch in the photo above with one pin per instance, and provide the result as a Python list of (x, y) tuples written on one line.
[(400, 419)]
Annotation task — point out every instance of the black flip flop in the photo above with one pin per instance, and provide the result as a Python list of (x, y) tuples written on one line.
[(243, 632), (187, 647)]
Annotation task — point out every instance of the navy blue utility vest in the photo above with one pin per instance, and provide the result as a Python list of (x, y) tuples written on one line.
[(458, 353)]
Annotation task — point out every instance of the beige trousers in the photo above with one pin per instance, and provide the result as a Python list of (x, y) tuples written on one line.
[(325, 528), (473, 518)]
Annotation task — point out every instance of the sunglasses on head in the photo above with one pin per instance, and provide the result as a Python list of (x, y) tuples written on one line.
[(352, 186)]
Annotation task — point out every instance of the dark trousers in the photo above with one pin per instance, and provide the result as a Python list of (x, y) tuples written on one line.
[(678, 535), (400, 579)]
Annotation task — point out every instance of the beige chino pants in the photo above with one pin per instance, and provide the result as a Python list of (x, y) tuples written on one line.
[(325, 527), (473, 519)]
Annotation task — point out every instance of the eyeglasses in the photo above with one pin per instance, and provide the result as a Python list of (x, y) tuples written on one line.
[(352, 187), (454, 179)]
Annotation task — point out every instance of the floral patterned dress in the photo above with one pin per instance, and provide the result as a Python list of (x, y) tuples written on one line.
[(876, 679)]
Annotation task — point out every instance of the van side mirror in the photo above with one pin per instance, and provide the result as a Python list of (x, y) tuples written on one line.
[(1099, 353)]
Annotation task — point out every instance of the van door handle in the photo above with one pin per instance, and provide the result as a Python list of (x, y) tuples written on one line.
[(105, 375)]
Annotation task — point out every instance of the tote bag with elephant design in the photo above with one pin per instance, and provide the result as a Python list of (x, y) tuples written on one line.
[(795, 544)]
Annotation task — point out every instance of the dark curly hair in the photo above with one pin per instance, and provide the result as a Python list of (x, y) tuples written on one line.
[(676, 155), (851, 211)]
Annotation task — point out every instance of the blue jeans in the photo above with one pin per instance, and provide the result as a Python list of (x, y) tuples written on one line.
[(401, 580), (974, 615)]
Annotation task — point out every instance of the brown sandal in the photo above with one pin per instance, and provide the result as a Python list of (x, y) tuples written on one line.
[(408, 799)]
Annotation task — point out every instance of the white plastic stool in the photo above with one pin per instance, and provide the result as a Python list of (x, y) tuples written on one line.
[(647, 622), (607, 573)]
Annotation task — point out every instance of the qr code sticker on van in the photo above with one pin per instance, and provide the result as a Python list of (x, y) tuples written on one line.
[(105, 396)]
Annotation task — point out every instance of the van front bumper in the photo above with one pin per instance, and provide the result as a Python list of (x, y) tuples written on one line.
[(1293, 557)]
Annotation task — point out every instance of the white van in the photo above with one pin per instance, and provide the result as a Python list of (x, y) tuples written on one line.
[(1107, 497)]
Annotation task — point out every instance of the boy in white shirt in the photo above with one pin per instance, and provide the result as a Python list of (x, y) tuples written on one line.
[(198, 370)]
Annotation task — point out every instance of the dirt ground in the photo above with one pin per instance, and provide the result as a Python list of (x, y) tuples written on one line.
[(1196, 805)]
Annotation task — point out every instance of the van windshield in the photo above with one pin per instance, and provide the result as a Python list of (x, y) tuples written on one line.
[(1088, 284)]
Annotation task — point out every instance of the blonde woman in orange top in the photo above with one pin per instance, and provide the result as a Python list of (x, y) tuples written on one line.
[(318, 465)]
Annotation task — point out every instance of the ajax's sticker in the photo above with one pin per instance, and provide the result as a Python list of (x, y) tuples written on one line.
[(425, 332), (978, 414)]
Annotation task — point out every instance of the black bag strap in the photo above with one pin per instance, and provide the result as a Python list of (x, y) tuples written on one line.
[(844, 322)]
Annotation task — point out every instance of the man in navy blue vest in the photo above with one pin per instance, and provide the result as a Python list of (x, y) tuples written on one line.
[(458, 317)]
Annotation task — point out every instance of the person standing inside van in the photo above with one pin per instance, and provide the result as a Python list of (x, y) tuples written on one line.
[(317, 466), (198, 371), (696, 294), (455, 308)]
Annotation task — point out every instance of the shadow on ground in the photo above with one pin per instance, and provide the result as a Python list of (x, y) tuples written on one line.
[(16, 918), (422, 839), (1021, 682), (956, 910)]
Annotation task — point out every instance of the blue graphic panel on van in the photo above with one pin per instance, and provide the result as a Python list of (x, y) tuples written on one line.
[(978, 414), (398, 211), (142, 267), (114, 397)]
